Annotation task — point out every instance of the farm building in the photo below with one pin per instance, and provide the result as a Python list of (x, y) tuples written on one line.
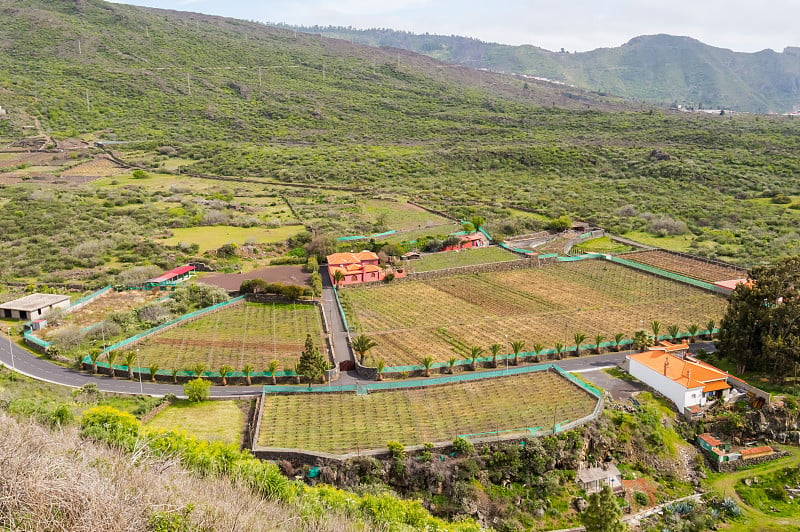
[(168, 279), (33, 306), (593, 478), (475, 240), (721, 452), (684, 380), (358, 268)]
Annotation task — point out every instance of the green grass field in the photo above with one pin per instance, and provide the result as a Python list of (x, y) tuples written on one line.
[(602, 245), (210, 420), (674, 243), (455, 259), (416, 416), (250, 333), (446, 317), (399, 216), (214, 236)]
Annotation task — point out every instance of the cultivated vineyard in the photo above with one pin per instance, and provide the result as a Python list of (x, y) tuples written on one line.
[(343, 423), (457, 259), (251, 333), (694, 268), (446, 317)]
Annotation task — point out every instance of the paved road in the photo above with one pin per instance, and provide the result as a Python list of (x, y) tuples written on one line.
[(338, 333)]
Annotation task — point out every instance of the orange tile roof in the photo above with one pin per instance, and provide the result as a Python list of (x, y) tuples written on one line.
[(709, 439), (733, 283), (716, 386), (757, 450), (342, 258), (366, 255), (371, 268), (668, 347), (687, 373)]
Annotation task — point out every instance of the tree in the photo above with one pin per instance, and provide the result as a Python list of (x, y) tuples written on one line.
[(111, 357), (338, 277), (197, 390), (361, 345), (642, 340), (321, 246), (603, 513), (475, 352), (517, 346), (710, 326), (224, 371), (312, 364), (598, 339), (579, 339), (174, 372), (427, 362), (673, 331), (655, 326), (198, 370), (153, 369), (559, 349), (537, 348), (450, 364), (379, 366), (130, 358), (271, 369), (495, 350), (248, 371), (94, 354), (477, 222), (618, 337), (692, 329)]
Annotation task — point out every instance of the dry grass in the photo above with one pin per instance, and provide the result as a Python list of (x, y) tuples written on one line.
[(56, 481), (211, 420)]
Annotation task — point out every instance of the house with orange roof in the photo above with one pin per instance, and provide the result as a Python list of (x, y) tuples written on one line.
[(474, 240), (357, 268), (684, 380)]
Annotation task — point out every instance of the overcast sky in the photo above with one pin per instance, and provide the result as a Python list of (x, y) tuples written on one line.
[(575, 25)]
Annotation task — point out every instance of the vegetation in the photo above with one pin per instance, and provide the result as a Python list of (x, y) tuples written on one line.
[(603, 513), (197, 390), (414, 416), (208, 420), (312, 363), (457, 259)]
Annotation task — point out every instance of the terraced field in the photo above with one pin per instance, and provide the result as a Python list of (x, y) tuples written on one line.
[(414, 416), (250, 333), (465, 257), (709, 272), (446, 317)]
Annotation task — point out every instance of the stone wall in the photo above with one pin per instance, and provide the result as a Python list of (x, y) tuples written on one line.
[(727, 467)]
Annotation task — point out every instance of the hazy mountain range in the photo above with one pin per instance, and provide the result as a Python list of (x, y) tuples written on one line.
[(661, 69)]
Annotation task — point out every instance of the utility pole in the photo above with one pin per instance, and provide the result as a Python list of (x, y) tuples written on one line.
[(11, 349)]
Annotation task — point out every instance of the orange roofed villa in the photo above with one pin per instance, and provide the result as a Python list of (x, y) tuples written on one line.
[(689, 383), (359, 267)]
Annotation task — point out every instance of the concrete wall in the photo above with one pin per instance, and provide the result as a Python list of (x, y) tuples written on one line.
[(666, 386)]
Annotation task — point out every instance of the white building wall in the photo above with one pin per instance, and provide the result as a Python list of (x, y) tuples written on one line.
[(682, 397)]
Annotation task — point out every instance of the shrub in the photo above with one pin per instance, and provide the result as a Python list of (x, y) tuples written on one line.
[(197, 390), (641, 498), (463, 446)]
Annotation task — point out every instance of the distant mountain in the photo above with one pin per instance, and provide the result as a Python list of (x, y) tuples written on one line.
[(655, 68)]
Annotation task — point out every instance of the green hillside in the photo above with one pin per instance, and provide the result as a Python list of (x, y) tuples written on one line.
[(657, 68)]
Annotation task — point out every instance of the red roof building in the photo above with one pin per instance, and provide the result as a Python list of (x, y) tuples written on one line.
[(357, 268)]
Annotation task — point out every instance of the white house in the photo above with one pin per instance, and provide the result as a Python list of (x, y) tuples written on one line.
[(33, 306), (685, 381)]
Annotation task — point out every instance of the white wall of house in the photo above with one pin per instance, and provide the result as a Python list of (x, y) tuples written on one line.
[(682, 397)]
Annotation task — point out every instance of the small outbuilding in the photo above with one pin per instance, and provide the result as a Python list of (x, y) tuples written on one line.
[(593, 478), (33, 306)]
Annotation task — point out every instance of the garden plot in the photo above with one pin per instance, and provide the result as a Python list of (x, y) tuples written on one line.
[(446, 317), (250, 333), (456, 259), (694, 268), (344, 423)]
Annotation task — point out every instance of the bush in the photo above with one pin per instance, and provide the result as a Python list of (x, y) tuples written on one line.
[(463, 446), (641, 498), (197, 390)]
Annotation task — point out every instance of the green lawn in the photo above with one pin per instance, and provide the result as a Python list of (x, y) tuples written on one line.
[(211, 420), (400, 216), (674, 243), (214, 236), (602, 245), (414, 416), (466, 257)]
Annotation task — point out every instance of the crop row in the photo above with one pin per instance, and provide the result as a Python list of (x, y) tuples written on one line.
[(696, 269)]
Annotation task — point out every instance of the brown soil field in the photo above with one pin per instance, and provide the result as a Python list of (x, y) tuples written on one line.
[(271, 274)]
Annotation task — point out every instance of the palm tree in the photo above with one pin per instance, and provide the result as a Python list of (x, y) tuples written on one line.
[(617, 340), (248, 370), (198, 370), (475, 352), (94, 354), (642, 340), (495, 350), (223, 371), (451, 362), (153, 368), (579, 339), (175, 375), (517, 346), (361, 344), (338, 277), (598, 339), (710, 326), (111, 356), (129, 358), (656, 328), (537, 348), (673, 331), (426, 363), (379, 366), (692, 330), (271, 369), (559, 349)]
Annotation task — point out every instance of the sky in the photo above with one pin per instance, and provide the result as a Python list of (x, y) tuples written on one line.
[(575, 25)]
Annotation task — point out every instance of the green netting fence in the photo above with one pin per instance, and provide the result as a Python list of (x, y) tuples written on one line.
[(89, 298), (362, 237), (669, 275)]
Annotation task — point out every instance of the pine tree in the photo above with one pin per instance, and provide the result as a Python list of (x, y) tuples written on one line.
[(312, 364), (603, 513)]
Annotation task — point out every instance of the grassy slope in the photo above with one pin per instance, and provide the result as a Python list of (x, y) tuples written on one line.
[(212, 420)]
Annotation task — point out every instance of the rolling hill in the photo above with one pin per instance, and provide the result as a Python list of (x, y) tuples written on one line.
[(661, 69)]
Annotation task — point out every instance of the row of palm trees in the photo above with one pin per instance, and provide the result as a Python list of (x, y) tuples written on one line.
[(198, 370), (362, 344)]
